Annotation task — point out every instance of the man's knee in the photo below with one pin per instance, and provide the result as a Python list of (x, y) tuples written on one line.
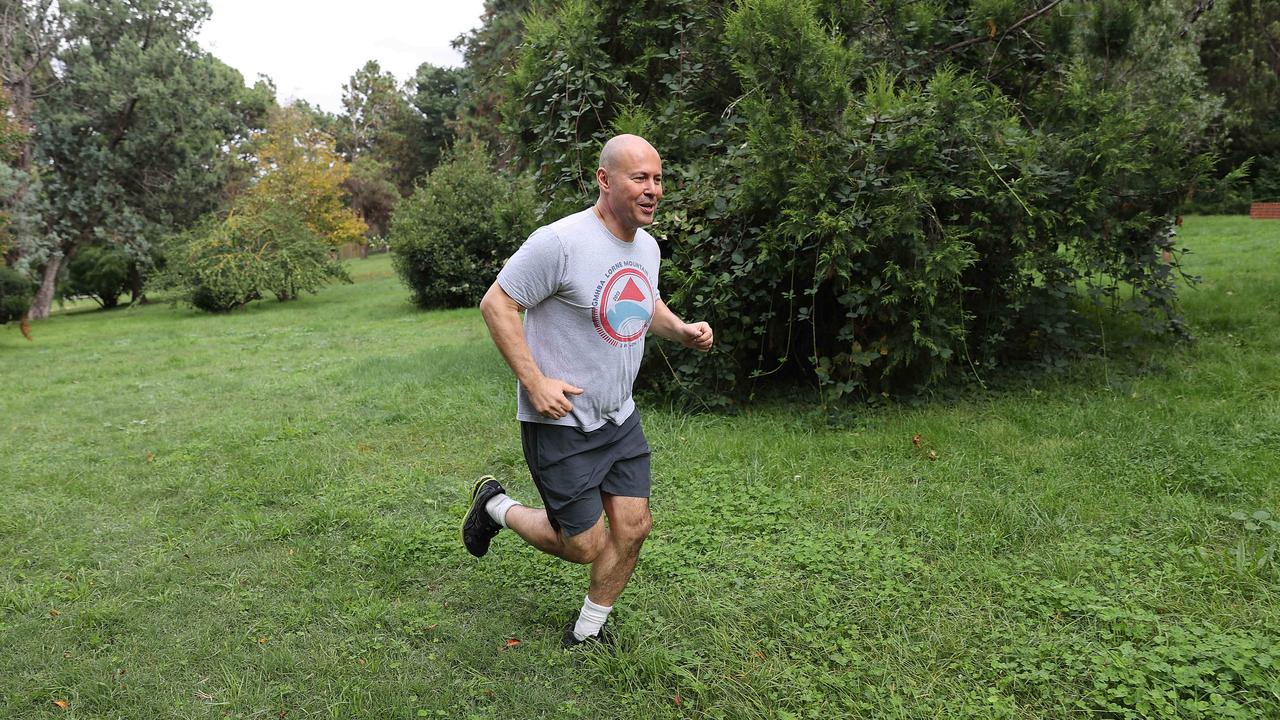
[(586, 546), (632, 529)]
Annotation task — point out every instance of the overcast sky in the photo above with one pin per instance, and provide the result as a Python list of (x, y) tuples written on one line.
[(311, 47)]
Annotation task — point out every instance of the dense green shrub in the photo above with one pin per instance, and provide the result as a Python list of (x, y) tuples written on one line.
[(873, 197), (221, 266), (15, 294), (99, 272), (451, 237)]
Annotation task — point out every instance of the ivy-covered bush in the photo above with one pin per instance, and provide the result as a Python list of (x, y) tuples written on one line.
[(99, 272), (15, 294), (451, 237), (873, 197), (221, 266)]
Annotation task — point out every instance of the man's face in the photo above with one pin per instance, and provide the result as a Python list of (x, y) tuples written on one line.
[(635, 186)]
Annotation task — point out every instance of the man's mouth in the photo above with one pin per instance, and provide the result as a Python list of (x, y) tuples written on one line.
[(648, 207)]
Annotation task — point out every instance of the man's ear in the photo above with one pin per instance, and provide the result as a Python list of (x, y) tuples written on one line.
[(602, 178)]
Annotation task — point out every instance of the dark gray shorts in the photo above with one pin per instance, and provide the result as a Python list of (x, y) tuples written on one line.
[(572, 468)]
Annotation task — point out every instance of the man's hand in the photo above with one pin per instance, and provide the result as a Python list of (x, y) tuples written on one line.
[(697, 336), (550, 397)]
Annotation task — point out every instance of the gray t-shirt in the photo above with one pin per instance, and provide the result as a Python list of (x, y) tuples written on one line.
[(590, 298)]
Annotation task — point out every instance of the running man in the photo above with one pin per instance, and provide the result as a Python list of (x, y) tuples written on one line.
[(588, 285)]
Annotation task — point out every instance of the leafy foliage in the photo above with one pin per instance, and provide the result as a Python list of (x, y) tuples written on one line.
[(222, 266), (452, 235), (98, 272), (132, 139), (435, 94), (280, 235), (877, 196), (491, 52), (372, 197), (15, 295), (1241, 56), (299, 169), (12, 138)]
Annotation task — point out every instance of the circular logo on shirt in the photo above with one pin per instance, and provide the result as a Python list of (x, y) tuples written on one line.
[(624, 307)]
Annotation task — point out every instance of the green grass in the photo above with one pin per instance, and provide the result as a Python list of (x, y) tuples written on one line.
[(255, 516)]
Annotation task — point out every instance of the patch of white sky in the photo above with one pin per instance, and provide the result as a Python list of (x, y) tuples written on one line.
[(310, 49)]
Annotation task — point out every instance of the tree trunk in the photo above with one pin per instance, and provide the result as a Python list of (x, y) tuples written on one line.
[(44, 296), (137, 287)]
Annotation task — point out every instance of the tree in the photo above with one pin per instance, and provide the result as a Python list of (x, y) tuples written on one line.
[(372, 101), (873, 196), (435, 93), (12, 139), (30, 33), (132, 141), (1241, 56), (99, 272), (372, 196), (280, 233), (221, 266), (15, 295), (491, 52), (299, 169), (450, 238)]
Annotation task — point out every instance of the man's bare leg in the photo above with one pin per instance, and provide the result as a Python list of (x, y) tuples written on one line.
[(532, 525), (629, 524)]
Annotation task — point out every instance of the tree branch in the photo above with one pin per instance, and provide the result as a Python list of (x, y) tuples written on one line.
[(976, 40)]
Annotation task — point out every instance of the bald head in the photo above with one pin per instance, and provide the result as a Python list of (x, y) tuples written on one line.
[(630, 182), (622, 148)]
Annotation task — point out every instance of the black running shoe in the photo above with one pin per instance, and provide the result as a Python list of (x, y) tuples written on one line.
[(477, 527), (600, 639)]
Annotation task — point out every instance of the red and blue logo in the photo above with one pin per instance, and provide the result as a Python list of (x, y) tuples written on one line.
[(623, 306)]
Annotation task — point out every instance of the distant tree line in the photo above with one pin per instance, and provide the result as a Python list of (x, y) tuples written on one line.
[(126, 151), (867, 196)]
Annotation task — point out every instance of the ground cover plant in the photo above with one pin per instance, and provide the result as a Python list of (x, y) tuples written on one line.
[(255, 515)]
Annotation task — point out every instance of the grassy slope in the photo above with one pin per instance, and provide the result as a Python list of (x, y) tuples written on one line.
[(253, 514)]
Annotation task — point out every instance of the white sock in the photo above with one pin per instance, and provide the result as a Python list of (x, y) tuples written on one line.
[(498, 506), (591, 618)]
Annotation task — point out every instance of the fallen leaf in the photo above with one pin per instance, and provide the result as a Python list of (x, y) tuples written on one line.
[(290, 552), (916, 440), (262, 640), (991, 28), (53, 612), (62, 704), (151, 456), (25, 327), (66, 654), (512, 642), (677, 698), (933, 454)]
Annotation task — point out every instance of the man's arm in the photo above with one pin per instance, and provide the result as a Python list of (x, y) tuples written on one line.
[(691, 335), (502, 314)]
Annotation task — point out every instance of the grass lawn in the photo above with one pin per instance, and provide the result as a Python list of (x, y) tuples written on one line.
[(255, 516)]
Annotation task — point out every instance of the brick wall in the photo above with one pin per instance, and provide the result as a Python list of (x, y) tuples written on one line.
[(1265, 211)]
